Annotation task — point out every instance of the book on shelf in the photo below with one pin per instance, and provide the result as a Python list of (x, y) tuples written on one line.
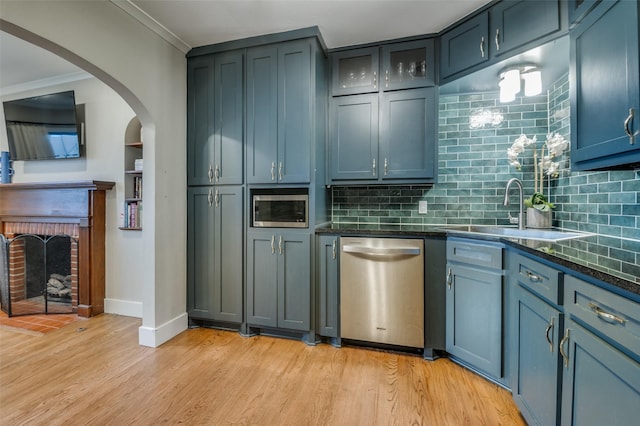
[(131, 214), (137, 187)]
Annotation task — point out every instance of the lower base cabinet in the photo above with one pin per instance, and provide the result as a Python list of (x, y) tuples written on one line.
[(536, 373), (328, 275), (279, 279), (214, 253), (601, 385), (474, 304)]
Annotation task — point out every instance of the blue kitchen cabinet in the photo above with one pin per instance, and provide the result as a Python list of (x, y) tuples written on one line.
[(384, 138), (328, 276), (536, 323), (465, 46), (354, 137), (605, 89), (408, 65), (279, 113), (214, 253), (408, 135), (279, 279), (601, 384), (215, 114), (474, 305), (516, 24), (355, 71)]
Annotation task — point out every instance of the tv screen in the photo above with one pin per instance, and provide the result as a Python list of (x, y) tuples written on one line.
[(43, 127)]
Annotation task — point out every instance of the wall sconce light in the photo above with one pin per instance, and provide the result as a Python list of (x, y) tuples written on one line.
[(510, 82)]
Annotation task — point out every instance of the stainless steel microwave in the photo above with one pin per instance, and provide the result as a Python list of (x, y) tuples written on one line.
[(280, 210)]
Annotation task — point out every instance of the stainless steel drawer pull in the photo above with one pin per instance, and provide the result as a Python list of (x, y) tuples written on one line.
[(280, 246), (533, 277), (333, 248), (564, 340), (217, 198), (273, 244), (497, 38), (482, 47), (606, 316), (280, 171), (546, 334), (216, 173), (449, 279), (373, 165), (210, 198), (273, 170), (210, 173)]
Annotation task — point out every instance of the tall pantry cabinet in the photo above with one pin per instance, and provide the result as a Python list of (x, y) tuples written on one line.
[(256, 121), (215, 195)]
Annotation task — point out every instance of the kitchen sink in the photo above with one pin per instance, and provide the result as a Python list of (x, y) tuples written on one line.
[(512, 232)]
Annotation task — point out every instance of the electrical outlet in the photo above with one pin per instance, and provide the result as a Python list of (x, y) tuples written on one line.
[(422, 207)]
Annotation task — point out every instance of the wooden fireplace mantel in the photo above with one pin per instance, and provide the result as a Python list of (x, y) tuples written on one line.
[(79, 202)]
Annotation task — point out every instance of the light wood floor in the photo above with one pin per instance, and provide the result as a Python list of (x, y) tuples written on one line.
[(101, 376)]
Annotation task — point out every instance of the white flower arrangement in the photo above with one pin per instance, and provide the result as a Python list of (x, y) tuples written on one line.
[(544, 164)]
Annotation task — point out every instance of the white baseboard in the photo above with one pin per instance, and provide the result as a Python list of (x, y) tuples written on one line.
[(123, 307), (154, 337)]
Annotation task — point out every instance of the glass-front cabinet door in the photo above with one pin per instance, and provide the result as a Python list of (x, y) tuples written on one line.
[(408, 65), (355, 71)]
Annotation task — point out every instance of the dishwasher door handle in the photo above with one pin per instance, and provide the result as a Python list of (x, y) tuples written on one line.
[(382, 251)]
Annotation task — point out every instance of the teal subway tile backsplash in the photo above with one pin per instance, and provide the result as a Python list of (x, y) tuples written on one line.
[(473, 171)]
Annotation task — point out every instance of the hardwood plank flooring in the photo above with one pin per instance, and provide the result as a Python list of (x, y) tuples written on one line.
[(95, 373)]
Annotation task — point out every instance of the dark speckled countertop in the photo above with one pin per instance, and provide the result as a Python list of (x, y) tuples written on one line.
[(615, 261)]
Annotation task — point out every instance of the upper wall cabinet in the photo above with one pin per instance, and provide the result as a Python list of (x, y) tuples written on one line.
[(389, 67), (605, 92), (279, 113), (507, 28), (578, 9), (518, 23), (465, 46), (215, 119)]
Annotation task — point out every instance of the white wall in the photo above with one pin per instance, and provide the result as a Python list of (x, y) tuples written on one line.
[(150, 75), (106, 118)]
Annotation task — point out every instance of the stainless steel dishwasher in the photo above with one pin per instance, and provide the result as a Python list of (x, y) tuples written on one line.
[(382, 290)]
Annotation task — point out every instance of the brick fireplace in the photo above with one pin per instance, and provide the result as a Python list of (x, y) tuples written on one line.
[(73, 209)]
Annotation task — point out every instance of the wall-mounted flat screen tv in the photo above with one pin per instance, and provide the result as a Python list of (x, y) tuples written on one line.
[(44, 127)]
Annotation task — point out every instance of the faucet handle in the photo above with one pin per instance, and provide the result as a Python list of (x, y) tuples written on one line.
[(513, 220)]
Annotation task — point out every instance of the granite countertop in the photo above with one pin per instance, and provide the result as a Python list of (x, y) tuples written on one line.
[(615, 261)]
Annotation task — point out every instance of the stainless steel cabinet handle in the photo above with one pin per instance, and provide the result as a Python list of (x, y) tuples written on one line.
[(280, 171), (386, 78), (564, 340), (375, 80), (280, 247), (606, 316), (449, 279), (273, 244), (374, 166), (210, 198), (482, 46), (273, 170), (376, 251), (546, 334), (210, 173), (333, 248), (385, 167), (533, 277), (216, 173), (497, 38), (626, 126), (217, 198)]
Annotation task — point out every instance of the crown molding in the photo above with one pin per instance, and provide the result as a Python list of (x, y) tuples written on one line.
[(45, 82), (149, 22)]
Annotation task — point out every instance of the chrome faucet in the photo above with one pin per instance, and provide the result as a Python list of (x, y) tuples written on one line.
[(520, 200)]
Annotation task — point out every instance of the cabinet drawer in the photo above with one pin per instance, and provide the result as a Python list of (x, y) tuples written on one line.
[(614, 316), (486, 254), (541, 279)]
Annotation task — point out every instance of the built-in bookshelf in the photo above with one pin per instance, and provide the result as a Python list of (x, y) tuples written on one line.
[(131, 211)]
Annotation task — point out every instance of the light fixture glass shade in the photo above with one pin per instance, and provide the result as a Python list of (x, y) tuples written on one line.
[(532, 82), (509, 85)]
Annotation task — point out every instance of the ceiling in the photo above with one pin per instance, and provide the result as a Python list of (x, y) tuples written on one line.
[(193, 23)]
